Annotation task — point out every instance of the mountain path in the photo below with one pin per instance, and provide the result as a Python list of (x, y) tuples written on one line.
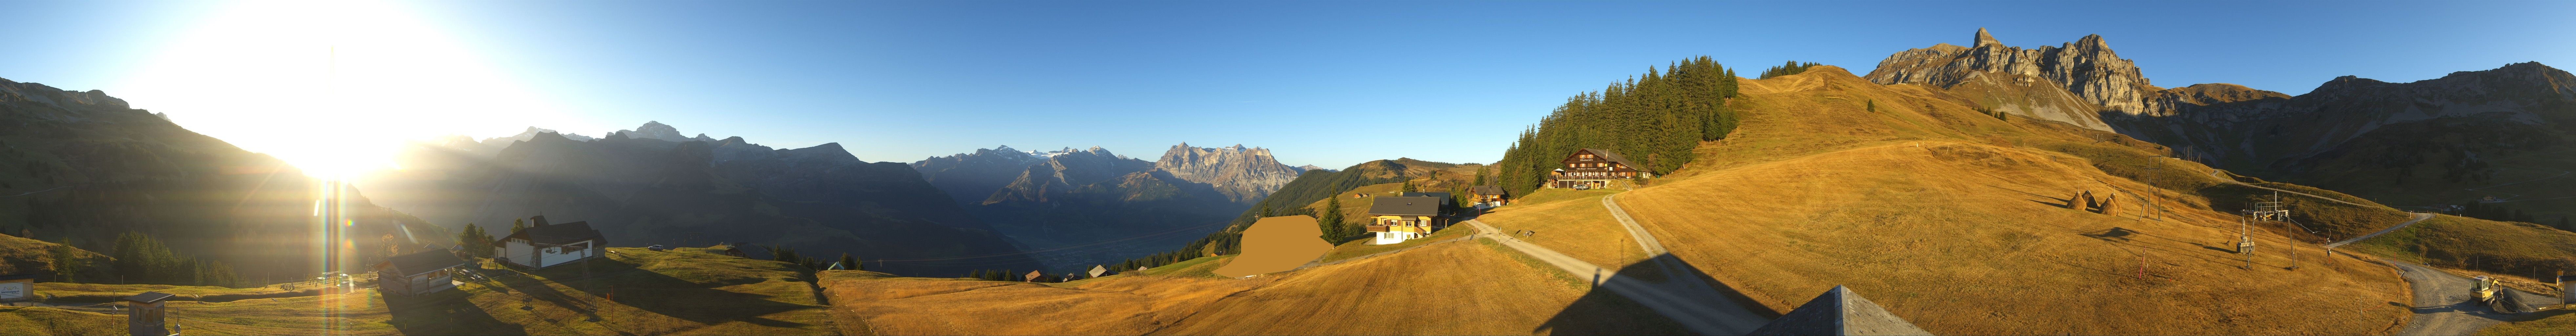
[(2442, 303), (1707, 314)]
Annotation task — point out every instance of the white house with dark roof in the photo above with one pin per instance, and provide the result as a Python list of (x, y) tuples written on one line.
[(544, 245), (1395, 219)]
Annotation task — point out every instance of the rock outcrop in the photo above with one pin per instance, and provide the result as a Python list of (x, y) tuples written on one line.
[(1244, 175), (2002, 77)]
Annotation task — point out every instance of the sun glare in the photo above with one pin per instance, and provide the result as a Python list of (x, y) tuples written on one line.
[(331, 87)]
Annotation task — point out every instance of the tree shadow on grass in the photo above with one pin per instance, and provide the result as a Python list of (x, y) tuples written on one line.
[(1603, 312), (668, 296), (448, 312)]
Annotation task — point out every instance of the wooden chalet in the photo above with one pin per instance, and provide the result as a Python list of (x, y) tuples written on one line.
[(1488, 195), (543, 245), (1395, 219), (418, 273), (1593, 168)]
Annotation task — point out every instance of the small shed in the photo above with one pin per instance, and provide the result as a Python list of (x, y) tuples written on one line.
[(18, 287), (145, 313), (1032, 277), (1096, 270), (418, 273)]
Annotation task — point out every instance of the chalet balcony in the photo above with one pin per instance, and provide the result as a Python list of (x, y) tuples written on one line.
[(1377, 228)]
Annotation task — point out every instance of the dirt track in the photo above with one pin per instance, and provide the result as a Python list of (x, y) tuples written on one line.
[(1702, 310), (2442, 304)]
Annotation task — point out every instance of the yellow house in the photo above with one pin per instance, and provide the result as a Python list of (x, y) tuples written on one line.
[(1396, 219)]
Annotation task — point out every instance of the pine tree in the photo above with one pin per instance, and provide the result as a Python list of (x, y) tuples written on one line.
[(1331, 220), (67, 261), (849, 262)]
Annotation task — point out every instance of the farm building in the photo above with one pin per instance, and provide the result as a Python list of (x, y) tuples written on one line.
[(543, 245), (418, 273)]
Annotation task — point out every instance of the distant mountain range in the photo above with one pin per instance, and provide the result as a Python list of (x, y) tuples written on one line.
[(821, 200), (84, 167), (2469, 135), (1074, 197)]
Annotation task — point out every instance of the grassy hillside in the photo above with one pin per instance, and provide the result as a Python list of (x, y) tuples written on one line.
[(22, 256), (634, 292), (1572, 222), (52, 321), (1956, 220), (1450, 288), (2522, 253)]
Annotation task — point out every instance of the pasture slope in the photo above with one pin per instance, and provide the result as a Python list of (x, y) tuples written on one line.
[(1958, 222)]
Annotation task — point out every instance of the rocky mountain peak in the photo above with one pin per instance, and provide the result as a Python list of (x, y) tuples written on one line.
[(1243, 174), (2010, 78)]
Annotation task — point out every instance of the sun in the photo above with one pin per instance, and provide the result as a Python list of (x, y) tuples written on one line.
[(332, 87)]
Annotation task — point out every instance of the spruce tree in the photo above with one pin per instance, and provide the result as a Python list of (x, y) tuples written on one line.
[(67, 260), (1331, 220), (848, 262), (517, 225)]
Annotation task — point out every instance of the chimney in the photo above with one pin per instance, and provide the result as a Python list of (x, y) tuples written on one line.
[(539, 220)]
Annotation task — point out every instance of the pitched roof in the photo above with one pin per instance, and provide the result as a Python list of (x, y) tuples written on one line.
[(1487, 190), (1444, 196), (1407, 206), (1614, 157), (1839, 312), (556, 234), (424, 262), (149, 297)]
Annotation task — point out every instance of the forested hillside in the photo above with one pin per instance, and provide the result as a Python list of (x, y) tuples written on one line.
[(1656, 120)]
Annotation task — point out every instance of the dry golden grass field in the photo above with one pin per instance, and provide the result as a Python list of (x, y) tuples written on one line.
[(635, 292), (1571, 222), (51, 321), (1956, 221), (1448, 288), (1365, 247)]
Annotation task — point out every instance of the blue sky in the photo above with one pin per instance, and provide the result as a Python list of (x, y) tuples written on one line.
[(1324, 83)]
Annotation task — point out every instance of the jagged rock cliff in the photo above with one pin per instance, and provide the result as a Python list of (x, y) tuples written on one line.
[(2089, 78), (1244, 175)]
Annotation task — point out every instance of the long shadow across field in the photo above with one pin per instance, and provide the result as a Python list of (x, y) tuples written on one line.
[(1602, 312), (447, 312), (662, 294)]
